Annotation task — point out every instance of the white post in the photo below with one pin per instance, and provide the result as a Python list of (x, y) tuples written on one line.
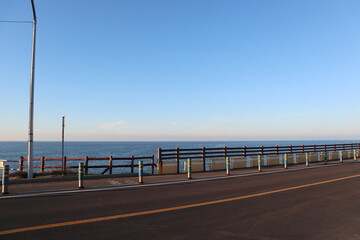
[(227, 165), (354, 154), (341, 156), (285, 161)]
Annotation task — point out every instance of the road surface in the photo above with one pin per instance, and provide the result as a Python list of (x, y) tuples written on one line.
[(316, 203)]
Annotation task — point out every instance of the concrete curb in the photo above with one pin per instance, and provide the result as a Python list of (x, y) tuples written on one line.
[(69, 178)]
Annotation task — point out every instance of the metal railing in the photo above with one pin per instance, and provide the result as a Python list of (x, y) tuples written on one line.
[(206, 154), (107, 163)]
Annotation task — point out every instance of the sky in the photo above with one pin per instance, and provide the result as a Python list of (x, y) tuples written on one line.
[(160, 70)]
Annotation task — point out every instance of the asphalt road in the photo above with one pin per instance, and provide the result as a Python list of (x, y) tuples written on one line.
[(319, 203)]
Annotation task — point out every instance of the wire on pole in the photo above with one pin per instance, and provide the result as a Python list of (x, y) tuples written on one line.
[(4, 21)]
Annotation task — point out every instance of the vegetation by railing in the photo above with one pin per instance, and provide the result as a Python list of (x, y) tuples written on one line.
[(178, 154), (72, 163)]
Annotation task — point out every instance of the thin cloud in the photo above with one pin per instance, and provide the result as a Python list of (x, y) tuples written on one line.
[(112, 125)]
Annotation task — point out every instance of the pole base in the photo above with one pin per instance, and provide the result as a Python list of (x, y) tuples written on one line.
[(4, 190)]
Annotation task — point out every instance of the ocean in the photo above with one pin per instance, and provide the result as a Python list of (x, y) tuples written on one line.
[(13, 150)]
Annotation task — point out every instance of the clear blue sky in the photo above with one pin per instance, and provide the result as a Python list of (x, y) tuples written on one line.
[(183, 70)]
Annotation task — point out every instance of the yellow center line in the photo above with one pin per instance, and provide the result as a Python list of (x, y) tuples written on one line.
[(120, 216)]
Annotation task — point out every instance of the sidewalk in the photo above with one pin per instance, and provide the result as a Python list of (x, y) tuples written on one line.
[(103, 181)]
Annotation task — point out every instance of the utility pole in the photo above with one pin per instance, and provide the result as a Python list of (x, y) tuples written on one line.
[(62, 145), (31, 104)]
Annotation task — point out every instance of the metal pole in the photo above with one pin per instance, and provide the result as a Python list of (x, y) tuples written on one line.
[(62, 145), (31, 104)]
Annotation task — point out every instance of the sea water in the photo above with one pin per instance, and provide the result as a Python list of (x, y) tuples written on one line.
[(13, 150)]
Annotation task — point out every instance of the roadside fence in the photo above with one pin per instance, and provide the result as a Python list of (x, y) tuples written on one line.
[(209, 159), (106, 164)]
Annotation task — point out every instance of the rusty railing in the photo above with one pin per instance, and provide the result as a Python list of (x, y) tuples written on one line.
[(69, 163)]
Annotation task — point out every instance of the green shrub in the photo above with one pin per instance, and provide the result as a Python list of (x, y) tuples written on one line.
[(54, 173), (18, 174)]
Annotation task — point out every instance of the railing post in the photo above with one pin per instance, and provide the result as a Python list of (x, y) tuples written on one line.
[(159, 161), (5, 180), (189, 168), (326, 154), (65, 159), (42, 164), (307, 159), (204, 158), (81, 175), (110, 165), (21, 162), (245, 153), (291, 149), (141, 172), (303, 148), (86, 165), (225, 152), (285, 161), (277, 149), (177, 160), (227, 166), (341, 156), (152, 164), (259, 163), (132, 163)]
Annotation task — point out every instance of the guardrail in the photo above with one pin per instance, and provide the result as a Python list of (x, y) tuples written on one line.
[(69, 163), (204, 155)]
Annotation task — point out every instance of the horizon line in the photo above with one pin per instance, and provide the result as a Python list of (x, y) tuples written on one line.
[(280, 140)]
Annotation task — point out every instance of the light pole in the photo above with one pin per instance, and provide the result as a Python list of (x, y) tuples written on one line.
[(62, 145), (31, 104)]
